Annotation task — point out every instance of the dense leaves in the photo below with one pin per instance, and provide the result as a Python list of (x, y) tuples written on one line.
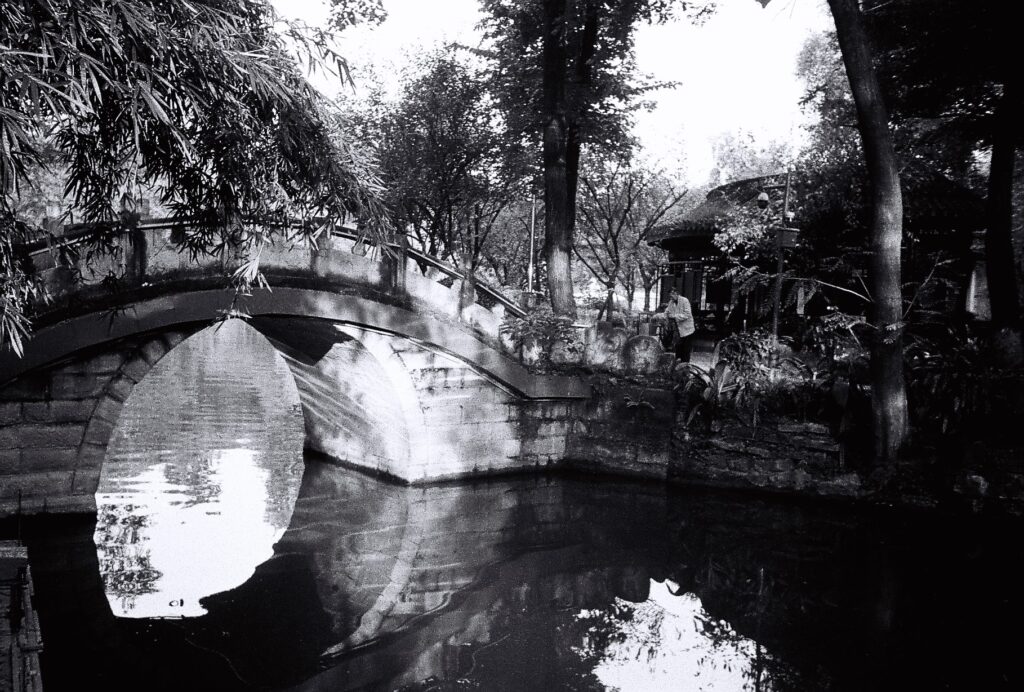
[(203, 100), (449, 169), (564, 75), (619, 205)]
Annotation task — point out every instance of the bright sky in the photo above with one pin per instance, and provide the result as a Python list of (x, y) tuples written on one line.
[(736, 72)]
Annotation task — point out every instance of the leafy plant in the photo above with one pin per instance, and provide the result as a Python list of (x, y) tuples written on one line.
[(542, 326), (709, 395), (953, 388), (754, 380)]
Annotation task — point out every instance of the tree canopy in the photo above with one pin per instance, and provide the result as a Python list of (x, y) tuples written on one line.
[(447, 164), (564, 74), (202, 100)]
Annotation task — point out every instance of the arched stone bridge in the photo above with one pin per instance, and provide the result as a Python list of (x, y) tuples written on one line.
[(398, 372)]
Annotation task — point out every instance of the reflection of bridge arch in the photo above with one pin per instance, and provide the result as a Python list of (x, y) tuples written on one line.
[(393, 390)]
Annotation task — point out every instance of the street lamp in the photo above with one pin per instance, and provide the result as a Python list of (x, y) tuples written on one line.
[(533, 224), (784, 237)]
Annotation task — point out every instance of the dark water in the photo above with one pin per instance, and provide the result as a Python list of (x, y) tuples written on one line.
[(221, 559)]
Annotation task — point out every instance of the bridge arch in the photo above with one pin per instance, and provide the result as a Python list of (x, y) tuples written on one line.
[(442, 404)]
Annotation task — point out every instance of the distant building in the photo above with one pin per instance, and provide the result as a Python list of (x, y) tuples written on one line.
[(940, 216)]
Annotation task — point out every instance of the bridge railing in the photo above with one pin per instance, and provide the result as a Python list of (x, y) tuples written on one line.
[(442, 267), (156, 236)]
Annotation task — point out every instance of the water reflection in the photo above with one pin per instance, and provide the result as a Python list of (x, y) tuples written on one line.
[(301, 575), (555, 584), (666, 639), (506, 585), (200, 476)]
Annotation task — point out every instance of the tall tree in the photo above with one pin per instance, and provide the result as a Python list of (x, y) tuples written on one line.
[(447, 165), (888, 388), (565, 74), (202, 99), (619, 205), (953, 64)]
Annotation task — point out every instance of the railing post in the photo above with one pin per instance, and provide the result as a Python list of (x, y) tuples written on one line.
[(395, 263), (136, 259)]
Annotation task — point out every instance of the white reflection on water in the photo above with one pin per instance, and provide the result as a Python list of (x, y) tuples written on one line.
[(670, 642), (201, 474), (196, 548)]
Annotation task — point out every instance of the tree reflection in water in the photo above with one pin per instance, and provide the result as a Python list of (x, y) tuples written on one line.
[(207, 457), (562, 584), (125, 563)]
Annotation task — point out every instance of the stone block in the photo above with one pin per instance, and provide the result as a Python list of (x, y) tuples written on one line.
[(108, 409), (91, 456), (136, 369), (37, 435), (10, 437), (552, 448), (728, 445), (58, 411), (85, 481), (605, 351), (828, 446), (120, 388), (10, 412), (72, 386), (99, 431), (641, 354), (553, 428), (49, 484), (803, 428), (153, 351), (105, 363), (49, 459), (10, 461)]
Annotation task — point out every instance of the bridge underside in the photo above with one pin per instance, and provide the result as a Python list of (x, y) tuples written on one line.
[(381, 389)]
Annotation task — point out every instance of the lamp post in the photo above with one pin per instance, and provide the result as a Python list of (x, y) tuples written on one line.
[(528, 299), (533, 223), (781, 242)]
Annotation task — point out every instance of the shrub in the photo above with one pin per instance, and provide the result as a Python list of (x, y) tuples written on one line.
[(753, 380), (953, 388), (542, 325)]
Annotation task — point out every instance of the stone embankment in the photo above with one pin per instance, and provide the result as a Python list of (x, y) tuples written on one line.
[(20, 640), (635, 424)]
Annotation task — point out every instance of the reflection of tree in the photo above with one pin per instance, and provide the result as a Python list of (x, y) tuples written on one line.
[(196, 477), (596, 631), (124, 563), (223, 388), (283, 477)]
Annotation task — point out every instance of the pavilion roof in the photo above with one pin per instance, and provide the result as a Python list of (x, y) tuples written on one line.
[(931, 203)]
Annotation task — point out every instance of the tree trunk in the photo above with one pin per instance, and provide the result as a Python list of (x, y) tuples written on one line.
[(557, 202), (889, 396), (999, 255)]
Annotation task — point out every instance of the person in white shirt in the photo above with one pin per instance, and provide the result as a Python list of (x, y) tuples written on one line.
[(678, 309)]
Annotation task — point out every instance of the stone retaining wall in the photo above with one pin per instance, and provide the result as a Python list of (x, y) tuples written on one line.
[(55, 424), (787, 457), (601, 348)]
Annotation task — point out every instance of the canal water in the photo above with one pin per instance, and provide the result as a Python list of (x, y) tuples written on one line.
[(222, 558)]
